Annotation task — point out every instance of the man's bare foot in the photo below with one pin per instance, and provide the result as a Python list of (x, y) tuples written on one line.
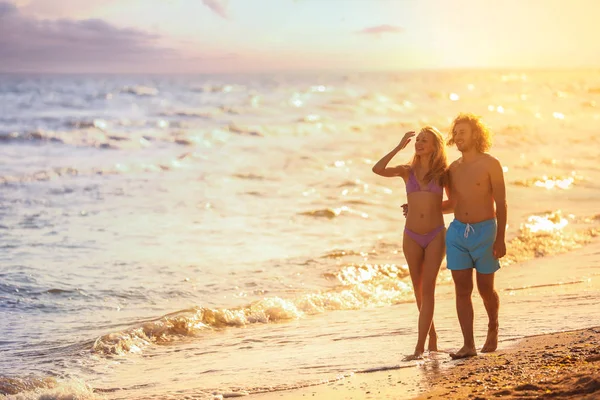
[(464, 353), (491, 343), (432, 343), (418, 355)]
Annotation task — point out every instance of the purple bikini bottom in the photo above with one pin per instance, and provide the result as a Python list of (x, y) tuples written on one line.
[(424, 239)]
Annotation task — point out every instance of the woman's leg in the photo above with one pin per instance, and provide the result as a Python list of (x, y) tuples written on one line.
[(434, 254), (414, 255)]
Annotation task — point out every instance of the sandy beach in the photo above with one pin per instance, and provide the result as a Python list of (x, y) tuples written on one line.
[(563, 365)]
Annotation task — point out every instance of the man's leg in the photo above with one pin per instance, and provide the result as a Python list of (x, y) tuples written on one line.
[(463, 285), (491, 301)]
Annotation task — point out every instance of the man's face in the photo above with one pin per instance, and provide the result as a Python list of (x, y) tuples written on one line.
[(463, 136)]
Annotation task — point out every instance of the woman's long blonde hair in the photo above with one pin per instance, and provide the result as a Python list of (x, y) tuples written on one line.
[(438, 163)]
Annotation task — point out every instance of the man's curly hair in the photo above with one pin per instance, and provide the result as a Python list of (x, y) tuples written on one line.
[(482, 134)]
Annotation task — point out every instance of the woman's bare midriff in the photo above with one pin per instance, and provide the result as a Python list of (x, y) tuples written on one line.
[(424, 212)]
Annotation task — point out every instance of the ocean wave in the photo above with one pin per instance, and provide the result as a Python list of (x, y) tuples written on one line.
[(550, 182), (312, 119), (341, 253), (241, 130), (85, 124), (231, 110), (358, 202), (331, 213), (38, 176), (216, 88), (354, 183), (361, 273), (10, 386), (251, 177), (194, 322), (594, 90), (545, 235), (48, 388), (8, 288), (140, 90), (189, 113), (29, 137), (85, 137), (119, 169)]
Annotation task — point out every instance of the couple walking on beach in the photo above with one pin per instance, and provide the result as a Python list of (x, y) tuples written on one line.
[(475, 239)]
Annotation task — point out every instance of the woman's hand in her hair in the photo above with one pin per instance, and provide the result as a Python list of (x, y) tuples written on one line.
[(406, 139)]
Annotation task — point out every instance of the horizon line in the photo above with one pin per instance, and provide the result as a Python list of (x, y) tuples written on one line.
[(307, 70)]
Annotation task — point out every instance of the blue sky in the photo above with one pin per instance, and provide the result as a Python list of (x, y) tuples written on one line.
[(264, 35)]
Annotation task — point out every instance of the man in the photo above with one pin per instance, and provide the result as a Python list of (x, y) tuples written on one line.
[(476, 237)]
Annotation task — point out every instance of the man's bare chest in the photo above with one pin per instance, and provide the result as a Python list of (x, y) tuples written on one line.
[(470, 180)]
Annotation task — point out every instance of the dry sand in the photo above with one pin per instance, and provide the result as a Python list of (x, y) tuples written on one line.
[(564, 365)]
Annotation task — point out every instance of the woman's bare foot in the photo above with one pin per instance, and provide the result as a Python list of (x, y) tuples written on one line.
[(491, 343), (432, 343), (466, 351), (418, 355)]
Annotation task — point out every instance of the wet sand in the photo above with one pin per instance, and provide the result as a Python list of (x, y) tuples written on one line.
[(397, 384), (564, 365)]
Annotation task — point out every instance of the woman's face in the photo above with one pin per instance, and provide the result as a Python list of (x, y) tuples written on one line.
[(425, 144)]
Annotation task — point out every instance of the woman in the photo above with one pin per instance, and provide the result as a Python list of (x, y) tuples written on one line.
[(424, 233)]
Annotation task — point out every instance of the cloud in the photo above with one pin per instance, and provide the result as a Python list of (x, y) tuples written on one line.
[(29, 44), (381, 29), (6, 9), (59, 8), (219, 7)]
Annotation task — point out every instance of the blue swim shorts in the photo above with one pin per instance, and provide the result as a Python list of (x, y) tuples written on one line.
[(472, 246)]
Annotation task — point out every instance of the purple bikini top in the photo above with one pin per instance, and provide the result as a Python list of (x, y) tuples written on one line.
[(412, 185)]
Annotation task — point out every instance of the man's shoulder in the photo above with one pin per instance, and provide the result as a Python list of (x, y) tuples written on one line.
[(455, 163), (488, 156), (490, 159)]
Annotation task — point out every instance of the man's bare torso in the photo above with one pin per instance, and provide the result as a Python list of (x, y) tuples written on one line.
[(471, 189)]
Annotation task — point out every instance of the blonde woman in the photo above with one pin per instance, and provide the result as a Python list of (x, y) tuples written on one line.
[(424, 231)]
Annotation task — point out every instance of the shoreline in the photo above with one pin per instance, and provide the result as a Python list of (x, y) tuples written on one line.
[(554, 365)]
